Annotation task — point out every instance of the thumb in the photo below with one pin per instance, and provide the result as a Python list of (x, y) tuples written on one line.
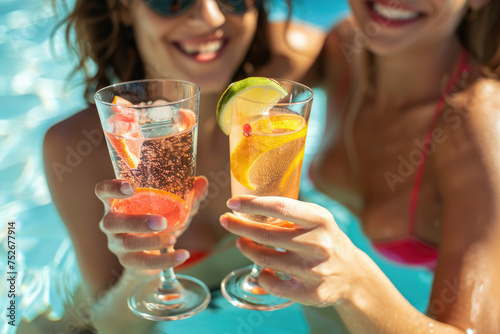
[(200, 192)]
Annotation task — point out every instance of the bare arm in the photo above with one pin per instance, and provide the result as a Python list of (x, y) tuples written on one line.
[(329, 271)]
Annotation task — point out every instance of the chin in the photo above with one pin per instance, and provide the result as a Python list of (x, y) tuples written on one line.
[(387, 47), (213, 83)]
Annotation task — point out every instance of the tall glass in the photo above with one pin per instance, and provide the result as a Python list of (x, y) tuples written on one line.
[(151, 131), (266, 153)]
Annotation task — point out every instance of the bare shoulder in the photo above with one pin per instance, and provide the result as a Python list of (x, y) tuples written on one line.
[(471, 118), (467, 160), (69, 143)]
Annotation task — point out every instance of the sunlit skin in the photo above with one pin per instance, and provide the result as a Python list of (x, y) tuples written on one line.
[(109, 247), (367, 135)]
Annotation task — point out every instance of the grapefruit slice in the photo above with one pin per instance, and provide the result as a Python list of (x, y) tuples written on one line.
[(154, 201), (123, 132), (120, 107)]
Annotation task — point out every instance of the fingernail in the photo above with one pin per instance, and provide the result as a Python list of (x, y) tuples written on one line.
[(127, 189), (223, 221), (157, 223), (234, 203), (182, 255), (171, 239)]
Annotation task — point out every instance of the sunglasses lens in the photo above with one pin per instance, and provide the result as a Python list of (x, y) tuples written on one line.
[(237, 6), (169, 7), (176, 7)]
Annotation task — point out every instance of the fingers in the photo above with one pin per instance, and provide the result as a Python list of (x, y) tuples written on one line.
[(200, 192), (200, 188), (302, 213), (292, 289), (283, 261), (127, 242), (109, 189), (262, 233), (156, 260), (125, 223)]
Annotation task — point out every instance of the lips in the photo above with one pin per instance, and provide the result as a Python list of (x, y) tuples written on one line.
[(393, 14), (202, 49)]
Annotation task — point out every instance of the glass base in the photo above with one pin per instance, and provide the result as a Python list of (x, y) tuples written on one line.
[(241, 290), (146, 303)]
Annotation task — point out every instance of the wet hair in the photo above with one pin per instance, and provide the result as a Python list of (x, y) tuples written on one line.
[(102, 39), (479, 33)]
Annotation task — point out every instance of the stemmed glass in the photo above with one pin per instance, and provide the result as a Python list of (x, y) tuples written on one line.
[(151, 131), (266, 153)]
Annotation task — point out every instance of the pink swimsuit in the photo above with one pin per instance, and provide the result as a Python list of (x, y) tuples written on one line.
[(411, 249)]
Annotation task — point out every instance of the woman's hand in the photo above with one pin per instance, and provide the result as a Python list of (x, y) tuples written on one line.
[(320, 259), (133, 238)]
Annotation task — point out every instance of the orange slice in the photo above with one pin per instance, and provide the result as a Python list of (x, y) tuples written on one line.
[(154, 201), (287, 129), (294, 169)]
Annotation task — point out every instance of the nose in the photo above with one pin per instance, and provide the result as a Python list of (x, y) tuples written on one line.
[(207, 14)]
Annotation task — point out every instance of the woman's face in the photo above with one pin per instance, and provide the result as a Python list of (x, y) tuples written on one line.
[(202, 45), (390, 26)]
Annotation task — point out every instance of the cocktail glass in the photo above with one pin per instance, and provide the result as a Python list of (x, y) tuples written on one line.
[(151, 131), (266, 153)]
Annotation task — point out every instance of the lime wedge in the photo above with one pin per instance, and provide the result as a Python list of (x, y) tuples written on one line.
[(267, 91)]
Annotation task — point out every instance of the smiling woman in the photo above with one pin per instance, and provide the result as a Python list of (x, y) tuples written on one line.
[(210, 43)]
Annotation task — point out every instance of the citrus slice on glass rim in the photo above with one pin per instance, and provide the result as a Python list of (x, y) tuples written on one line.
[(155, 201), (265, 90)]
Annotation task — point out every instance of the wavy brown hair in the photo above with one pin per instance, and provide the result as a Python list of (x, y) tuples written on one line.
[(101, 38), (479, 33)]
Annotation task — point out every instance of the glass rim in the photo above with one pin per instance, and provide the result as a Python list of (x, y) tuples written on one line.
[(294, 83), (195, 94)]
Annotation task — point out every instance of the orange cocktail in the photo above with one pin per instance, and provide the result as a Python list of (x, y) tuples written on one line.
[(266, 153), (266, 121)]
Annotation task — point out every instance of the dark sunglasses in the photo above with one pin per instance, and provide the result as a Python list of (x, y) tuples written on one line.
[(177, 7)]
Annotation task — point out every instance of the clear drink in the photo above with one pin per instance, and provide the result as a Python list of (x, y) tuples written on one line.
[(166, 168), (151, 131)]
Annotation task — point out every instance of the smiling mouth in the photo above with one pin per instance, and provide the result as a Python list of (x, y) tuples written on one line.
[(393, 12), (202, 51)]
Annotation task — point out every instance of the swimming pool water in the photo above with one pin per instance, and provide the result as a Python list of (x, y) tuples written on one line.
[(34, 94)]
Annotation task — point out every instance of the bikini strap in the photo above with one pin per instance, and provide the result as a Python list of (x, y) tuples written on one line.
[(424, 153)]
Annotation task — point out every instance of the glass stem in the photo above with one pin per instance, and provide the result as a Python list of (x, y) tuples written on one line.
[(256, 270), (170, 290)]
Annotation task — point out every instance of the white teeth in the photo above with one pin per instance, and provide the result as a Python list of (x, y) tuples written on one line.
[(206, 48), (392, 13)]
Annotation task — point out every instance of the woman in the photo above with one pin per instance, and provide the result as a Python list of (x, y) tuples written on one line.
[(412, 150), (207, 42)]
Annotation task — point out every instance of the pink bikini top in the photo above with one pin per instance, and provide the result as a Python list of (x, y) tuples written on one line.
[(411, 249)]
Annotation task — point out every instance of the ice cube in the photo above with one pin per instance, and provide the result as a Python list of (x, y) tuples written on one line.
[(161, 112)]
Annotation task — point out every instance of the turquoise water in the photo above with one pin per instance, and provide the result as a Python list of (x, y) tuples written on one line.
[(34, 94)]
